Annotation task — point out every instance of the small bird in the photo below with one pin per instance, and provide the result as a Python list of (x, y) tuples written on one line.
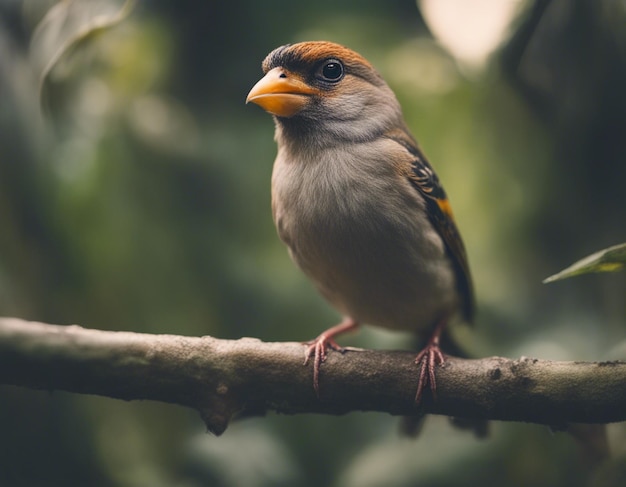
[(357, 203)]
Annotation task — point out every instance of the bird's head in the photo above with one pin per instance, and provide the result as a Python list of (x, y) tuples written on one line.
[(325, 91)]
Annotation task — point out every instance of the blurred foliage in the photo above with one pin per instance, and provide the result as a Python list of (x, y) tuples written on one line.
[(141, 202)]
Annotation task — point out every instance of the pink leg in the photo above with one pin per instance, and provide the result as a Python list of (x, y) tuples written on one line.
[(318, 348), (428, 359)]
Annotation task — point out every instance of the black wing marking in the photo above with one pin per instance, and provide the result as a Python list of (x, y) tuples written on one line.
[(423, 177)]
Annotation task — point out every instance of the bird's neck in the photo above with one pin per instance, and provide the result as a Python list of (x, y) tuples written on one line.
[(301, 136)]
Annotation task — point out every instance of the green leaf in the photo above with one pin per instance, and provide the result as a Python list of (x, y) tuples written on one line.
[(608, 260), (65, 26)]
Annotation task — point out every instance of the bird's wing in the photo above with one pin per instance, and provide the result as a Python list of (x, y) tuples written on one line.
[(423, 177)]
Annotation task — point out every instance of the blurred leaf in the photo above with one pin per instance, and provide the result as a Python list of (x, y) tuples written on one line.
[(66, 26), (607, 260)]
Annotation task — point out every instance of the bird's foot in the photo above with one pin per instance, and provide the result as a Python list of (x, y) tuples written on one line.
[(430, 357), (318, 348)]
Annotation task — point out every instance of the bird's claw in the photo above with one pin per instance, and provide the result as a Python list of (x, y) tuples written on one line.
[(428, 359), (318, 349)]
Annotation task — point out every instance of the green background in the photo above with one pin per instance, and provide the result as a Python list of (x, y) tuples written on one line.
[(140, 202)]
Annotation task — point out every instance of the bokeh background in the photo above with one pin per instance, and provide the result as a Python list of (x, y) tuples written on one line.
[(134, 195)]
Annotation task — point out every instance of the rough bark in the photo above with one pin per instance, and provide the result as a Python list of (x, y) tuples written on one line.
[(225, 378)]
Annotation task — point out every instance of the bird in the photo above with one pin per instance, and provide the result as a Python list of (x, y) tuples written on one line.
[(361, 210)]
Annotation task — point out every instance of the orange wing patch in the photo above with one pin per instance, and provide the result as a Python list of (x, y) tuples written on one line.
[(445, 206)]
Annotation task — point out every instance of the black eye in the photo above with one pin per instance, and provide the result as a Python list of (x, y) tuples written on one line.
[(332, 70)]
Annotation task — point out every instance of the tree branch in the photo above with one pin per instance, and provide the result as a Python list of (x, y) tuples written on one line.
[(224, 378)]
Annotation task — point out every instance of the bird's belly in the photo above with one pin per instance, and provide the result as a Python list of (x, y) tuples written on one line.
[(373, 265)]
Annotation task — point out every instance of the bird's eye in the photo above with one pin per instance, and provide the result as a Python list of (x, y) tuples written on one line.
[(331, 70)]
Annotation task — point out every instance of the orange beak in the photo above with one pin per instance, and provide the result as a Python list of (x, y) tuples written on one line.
[(281, 93)]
